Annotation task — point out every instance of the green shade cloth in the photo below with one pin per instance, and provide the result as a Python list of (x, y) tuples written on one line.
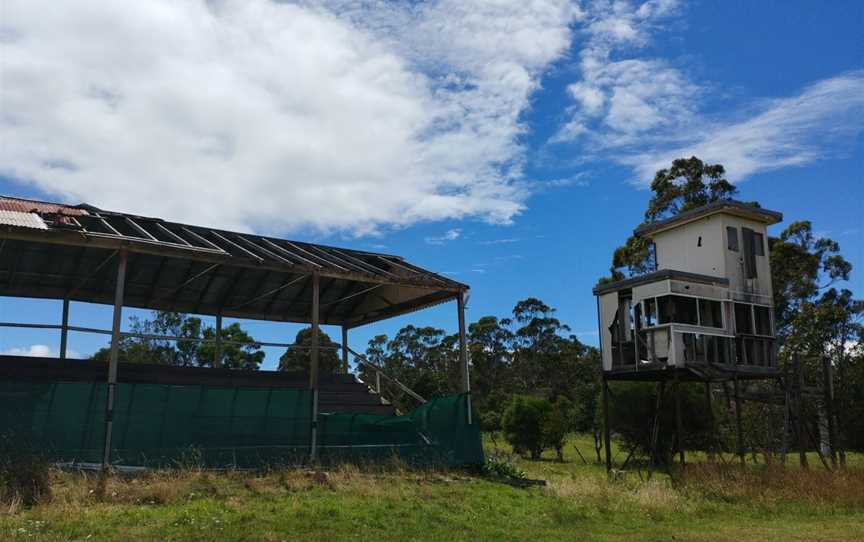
[(159, 425)]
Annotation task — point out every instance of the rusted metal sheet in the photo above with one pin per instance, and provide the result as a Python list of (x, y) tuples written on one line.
[(40, 207)]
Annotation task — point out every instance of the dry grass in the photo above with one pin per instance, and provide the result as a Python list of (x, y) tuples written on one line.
[(772, 484)]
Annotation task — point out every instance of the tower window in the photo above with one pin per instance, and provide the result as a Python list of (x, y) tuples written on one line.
[(732, 238)]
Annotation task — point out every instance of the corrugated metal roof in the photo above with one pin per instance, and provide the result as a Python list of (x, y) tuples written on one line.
[(22, 220), (41, 207)]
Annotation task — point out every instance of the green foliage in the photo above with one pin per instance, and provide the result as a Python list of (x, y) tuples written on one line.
[(184, 353), (631, 415), (300, 359), (24, 473), (523, 424), (499, 464)]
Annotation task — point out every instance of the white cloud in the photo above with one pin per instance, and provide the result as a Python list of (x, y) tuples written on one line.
[(819, 122), (645, 112), (449, 235), (257, 115), (38, 351), (619, 98)]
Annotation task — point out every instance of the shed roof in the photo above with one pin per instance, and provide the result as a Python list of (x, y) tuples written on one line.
[(732, 207), (194, 269)]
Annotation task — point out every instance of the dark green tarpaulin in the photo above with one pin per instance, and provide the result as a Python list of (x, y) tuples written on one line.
[(164, 425)]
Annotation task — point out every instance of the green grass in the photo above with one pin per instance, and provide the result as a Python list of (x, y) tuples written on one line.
[(705, 503)]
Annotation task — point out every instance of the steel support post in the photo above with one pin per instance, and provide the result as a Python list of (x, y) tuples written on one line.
[(829, 409), (679, 422), (738, 425), (606, 437), (463, 351), (64, 329), (115, 348), (345, 350), (217, 351), (313, 369), (712, 424)]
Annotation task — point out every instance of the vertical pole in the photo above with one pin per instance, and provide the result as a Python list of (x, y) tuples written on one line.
[(713, 426), (378, 382), (606, 439), (217, 352), (313, 369), (829, 409), (679, 422), (463, 352), (115, 348), (64, 329), (738, 428), (345, 350), (799, 413)]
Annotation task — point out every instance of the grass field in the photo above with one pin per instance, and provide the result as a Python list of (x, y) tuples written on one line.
[(392, 503)]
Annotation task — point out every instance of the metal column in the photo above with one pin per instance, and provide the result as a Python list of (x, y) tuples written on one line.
[(313, 369), (64, 329), (606, 439), (738, 425), (679, 422), (463, 351), (115, 348), (345, 350), (217, 351)]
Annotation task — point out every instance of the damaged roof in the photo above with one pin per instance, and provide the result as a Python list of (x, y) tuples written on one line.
[(52, 250)]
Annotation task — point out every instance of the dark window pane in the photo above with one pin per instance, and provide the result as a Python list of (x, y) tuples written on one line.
[(743, 319), (732, 238), (677, 309), (763, 320), (758, 244), (749, 252), (710, 313), (650, 313)]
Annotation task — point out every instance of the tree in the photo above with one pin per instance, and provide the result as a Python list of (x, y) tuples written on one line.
[(523, 424), (557, 425), (299, 357), (537, 345), (490, 347), (688, 184), (180, 353), (816, 322), (191, 352), (247, 357)]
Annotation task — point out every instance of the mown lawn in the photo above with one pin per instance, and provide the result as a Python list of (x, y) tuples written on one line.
[(705, 503)]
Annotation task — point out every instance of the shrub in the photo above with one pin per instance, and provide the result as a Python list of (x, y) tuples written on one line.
[(24, 474), (523, 424), (557, 422)]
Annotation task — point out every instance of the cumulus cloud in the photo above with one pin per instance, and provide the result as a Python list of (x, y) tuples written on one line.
[(619, 97), (38, 351), (252, 114), (817, 123), (645, 112)]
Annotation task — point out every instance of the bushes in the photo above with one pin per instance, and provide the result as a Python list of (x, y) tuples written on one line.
[(533, 424), (24, 475)]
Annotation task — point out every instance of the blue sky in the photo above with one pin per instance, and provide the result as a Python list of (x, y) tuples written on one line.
[(508, 144)]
